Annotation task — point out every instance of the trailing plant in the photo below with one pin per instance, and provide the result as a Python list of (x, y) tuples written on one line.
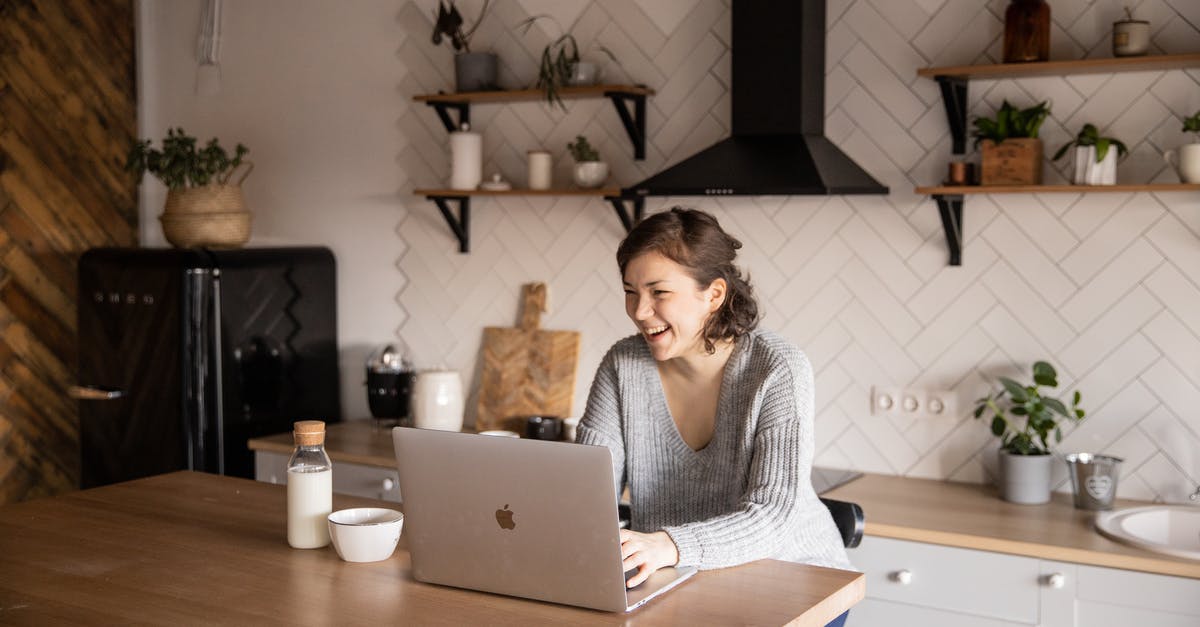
[(1192, 124), (448, 24), (180, 165), (582, 151), (558, 61), (1011, 122), (1023, 416), (1089, 136)]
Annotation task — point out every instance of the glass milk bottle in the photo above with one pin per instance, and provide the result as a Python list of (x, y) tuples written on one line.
[(309, 487)]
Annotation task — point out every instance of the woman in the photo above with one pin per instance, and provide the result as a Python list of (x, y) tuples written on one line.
[(709, 421)]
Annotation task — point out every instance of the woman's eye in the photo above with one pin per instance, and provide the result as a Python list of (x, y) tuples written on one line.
[(660, 292)]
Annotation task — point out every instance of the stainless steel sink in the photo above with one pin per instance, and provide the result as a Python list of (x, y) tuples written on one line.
[(1167, 529)]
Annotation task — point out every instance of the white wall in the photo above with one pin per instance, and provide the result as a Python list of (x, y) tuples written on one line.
[(1103, 285)]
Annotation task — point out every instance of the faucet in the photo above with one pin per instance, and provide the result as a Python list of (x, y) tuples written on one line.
[(1195, 495)]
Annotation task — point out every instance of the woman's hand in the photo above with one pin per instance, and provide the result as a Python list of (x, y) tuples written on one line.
[(646, 552)]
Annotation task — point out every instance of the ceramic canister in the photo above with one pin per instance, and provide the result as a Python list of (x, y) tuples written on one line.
[(466, 159), (437, 401), (540, 169)]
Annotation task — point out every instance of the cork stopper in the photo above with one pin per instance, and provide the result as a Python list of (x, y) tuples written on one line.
[(309, 432)]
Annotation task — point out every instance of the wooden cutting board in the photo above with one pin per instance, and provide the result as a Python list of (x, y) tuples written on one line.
[(526, 370)]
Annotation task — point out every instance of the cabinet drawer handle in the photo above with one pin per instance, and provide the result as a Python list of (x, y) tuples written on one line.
[(902, 577), (1056, 580), (388, 484)]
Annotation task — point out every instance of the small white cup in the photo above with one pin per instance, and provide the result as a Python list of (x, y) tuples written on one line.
[(500, 433), (365, 534)]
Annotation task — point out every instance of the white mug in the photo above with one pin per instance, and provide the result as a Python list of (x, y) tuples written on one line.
[(1188, 166), (437, 400)]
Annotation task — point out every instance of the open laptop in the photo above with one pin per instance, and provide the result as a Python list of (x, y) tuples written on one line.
[(526, 518)]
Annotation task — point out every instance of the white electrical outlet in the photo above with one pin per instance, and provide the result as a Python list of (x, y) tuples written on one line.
[(913, 402)]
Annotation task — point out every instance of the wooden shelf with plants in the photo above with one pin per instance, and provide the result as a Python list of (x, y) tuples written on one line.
[(953, 80)]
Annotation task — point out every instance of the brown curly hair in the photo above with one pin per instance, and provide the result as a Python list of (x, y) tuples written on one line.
[(695, 240)]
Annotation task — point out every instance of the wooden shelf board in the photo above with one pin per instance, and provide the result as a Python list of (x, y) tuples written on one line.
[(603, 191), (1078, 66), (521, 95), (1052, 189)]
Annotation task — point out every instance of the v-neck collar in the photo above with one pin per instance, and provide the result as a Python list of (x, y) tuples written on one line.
[(724, 398)]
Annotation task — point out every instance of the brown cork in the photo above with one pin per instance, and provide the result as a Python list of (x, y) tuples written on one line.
[(309, 432)]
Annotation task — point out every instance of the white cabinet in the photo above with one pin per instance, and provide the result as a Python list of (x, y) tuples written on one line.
[(355, 479), (912, 583)]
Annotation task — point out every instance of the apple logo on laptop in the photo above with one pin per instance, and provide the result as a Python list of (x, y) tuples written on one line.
[(505, 518)]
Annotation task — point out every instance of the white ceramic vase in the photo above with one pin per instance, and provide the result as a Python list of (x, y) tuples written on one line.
[(1089, 172), (1186, 162), (589, 174), (1025, 479), (437, 401)]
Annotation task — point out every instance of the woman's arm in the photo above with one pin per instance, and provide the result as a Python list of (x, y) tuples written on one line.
[(769, 517), (601, 422)]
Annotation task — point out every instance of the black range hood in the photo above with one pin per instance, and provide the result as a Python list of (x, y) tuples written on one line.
[(778, 144)]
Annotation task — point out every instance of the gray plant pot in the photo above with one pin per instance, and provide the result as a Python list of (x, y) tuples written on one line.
[(1025, 479), (475, 71)]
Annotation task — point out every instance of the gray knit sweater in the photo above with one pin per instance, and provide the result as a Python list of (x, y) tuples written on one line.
[(746, 495)]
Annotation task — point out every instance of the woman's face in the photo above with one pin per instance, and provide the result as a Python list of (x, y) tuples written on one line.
[(667, 306)]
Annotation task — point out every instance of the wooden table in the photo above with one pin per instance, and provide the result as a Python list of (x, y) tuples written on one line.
[(189, 548)]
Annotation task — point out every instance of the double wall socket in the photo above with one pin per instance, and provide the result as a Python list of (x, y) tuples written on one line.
[(913, 403)]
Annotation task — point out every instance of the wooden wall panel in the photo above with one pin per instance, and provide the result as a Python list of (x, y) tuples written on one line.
[(67, 116)]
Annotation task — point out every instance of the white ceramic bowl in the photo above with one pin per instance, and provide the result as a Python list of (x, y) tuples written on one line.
[(365, 534)]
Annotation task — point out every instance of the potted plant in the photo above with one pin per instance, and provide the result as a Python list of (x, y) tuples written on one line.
[(1188, 166), (560, 64), (473, 71), (590, 171), (1023, 417), (1011, 153), (203, 207), (1095, 164)]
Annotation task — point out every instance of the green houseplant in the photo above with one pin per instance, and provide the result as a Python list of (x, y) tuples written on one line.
[(1011, 153), (1095, 164), (1188, 155), (204, 206), (473, 71), (589, 171), (560, 64), (1024, 417)]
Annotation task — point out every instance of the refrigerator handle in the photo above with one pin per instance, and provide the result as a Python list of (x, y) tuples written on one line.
[(94, 393)]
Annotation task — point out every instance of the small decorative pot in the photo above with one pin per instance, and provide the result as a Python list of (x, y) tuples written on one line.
[(474, 71), (583, 73), (1088, 172), (1014, 161), (1025, 479), (590, 174), (1130, 38), (1186, 162)]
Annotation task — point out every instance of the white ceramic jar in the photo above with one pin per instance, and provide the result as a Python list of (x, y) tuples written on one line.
[(437, 400), (1186, 162), (541, 169)]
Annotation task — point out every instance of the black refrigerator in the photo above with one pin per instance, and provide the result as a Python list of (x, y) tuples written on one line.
[(184, 355)]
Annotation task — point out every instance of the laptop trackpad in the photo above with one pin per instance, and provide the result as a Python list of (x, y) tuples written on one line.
[(662, 580)]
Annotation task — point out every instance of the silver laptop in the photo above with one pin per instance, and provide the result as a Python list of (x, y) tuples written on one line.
[(526, 518)]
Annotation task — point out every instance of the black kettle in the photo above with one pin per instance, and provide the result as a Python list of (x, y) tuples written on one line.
[(389, 385)]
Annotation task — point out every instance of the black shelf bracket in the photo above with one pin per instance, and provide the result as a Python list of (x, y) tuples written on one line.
[(950, 207), (460, 225), (954, 97), (443, 107), (635, 123), (628, 220)]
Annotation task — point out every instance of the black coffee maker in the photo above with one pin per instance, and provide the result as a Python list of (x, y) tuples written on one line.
[(389, 386)]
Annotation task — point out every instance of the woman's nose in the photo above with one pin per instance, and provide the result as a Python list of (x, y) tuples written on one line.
[(643, 311)]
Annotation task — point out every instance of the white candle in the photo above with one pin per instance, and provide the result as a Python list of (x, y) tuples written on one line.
[(540, 170)]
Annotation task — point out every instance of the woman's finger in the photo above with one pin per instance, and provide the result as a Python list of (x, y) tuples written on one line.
[(643, 573)]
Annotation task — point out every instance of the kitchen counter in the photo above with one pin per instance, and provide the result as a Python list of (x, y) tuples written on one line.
[(353, 441), (189, 547), (973, 516)]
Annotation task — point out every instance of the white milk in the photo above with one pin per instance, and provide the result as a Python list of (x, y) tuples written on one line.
[(309, 503)]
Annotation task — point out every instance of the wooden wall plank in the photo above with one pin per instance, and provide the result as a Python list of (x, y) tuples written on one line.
[(67, 119)]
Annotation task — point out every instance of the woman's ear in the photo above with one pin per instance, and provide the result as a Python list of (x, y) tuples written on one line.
[(717, 292)]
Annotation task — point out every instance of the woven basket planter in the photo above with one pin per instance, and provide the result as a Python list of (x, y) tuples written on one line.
[(215, 198), (209, 230)]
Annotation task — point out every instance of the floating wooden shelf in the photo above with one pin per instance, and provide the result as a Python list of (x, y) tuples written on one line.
[(1062, 68), (953, 84), (621, 96), (461, 226), (1055, 189)]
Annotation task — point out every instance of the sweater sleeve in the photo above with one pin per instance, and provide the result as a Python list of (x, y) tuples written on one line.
[(769, 515), (601, 422)]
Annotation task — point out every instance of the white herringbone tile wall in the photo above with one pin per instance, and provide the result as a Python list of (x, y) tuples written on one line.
[(1103, 285)]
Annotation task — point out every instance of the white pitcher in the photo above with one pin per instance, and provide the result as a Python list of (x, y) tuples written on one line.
[(1186, 163), (437, 400)]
